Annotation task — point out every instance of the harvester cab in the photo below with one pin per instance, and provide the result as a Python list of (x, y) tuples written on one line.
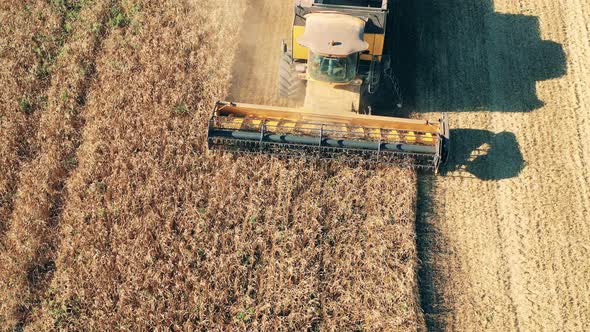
[(334, 42), (334, 58)]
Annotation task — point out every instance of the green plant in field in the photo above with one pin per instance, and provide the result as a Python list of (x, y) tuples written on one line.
[(135, 24), (25, 105), (245, 315), (70, 10), (331, 240), (360, 326), (63, 313), (100, 212), (57, 312), (101, 187), (71, 162), (43, 44), (245, 258), (119, 18), (403, 307), (84, 70), (64, 96), (43, 71), (181, 109), (45, 57), (315, 327), (5, 198), (67, 27), (96, 28)]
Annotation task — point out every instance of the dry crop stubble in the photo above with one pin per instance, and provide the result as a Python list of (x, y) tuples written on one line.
[(28, 42), (156, 232), (30, 240), (514, 256)]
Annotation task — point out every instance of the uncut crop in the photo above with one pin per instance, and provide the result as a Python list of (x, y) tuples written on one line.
[(30, 240), (153, 231), (29, 39)]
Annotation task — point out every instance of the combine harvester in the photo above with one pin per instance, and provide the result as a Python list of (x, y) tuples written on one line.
[(334, 60)]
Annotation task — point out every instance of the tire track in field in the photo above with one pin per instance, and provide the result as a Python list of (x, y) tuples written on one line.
[(453, 75), (31, 241), (255, 71), (502, 34)]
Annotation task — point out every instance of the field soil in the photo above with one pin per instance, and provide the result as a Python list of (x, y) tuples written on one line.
[(503, 236), (120, 219)]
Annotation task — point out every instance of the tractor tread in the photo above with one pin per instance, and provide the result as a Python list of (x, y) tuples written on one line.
[(289, 85)]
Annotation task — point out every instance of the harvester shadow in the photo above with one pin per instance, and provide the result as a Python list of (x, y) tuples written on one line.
[(478, 154), (484, 155), (460, 55)]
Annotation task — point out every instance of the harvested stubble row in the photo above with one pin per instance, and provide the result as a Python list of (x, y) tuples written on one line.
[(156, 232), (28, 42), (27, 258)]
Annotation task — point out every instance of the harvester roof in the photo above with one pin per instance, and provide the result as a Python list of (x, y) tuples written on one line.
[(334, 34)]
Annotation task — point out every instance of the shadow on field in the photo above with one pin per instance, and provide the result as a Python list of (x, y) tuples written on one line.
[(484, 155), (456, 56), (460, 55), (430, 243)]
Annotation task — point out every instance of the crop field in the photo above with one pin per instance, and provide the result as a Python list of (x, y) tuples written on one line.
[(114, 216), (503, 236)]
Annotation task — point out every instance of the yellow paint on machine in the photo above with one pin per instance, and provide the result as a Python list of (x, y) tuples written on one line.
[(427, 138), (299, 51), (311, 119), (379, 44), (236, 123), (375, 41)]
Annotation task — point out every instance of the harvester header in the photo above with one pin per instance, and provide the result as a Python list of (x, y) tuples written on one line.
[(299, 132)]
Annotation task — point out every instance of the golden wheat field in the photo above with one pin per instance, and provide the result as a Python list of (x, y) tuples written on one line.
[(115, 216)]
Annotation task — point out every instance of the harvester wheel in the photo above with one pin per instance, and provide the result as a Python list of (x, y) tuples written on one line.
[(290, 86)]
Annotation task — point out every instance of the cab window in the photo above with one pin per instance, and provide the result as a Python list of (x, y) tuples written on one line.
[(332, 69)]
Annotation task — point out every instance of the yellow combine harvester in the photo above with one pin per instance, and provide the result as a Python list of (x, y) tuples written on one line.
[(334, 59)]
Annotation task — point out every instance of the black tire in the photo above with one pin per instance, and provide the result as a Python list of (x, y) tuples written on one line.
[(290, 86)]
